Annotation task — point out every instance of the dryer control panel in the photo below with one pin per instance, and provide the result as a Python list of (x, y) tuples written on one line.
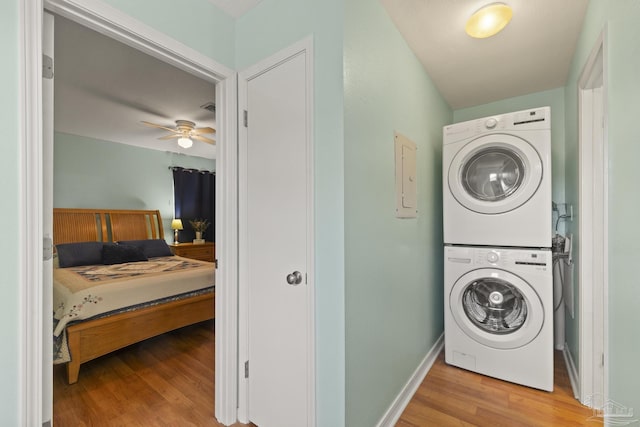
[(539, 118), (508, 258)]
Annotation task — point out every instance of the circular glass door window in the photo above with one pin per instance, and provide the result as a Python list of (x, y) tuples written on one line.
[(494, 306), (493, 174)]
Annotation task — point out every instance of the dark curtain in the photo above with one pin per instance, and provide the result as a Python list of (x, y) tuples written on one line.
[(195, 198)]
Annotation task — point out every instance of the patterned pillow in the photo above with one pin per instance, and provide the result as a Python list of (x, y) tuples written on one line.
[(81, 253), (119, 254), (150, 247)]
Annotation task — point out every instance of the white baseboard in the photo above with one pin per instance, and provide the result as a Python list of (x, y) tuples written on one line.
[(573, 372), (399, 404)]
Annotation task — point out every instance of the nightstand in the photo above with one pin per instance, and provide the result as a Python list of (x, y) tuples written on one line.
[(204, 251)]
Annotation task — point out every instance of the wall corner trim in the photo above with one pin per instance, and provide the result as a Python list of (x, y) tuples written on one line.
[(391, 417)]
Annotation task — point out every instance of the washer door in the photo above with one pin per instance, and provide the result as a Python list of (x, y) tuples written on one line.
[(496, 308), (495, 173)]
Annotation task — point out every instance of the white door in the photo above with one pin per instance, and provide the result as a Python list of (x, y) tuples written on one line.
[(47, 216), (276, 240)]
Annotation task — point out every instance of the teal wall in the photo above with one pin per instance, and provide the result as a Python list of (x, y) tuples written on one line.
[(394, 277), (553, 98), (90, 173), (196, 23), (621, 18), (270, 27), (10, 356)]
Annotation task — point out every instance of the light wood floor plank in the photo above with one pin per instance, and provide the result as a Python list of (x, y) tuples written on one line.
[(164, 381), (169, 381), (450, 396)]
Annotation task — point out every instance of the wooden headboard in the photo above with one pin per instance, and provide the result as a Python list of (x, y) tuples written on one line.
[(105, 225)]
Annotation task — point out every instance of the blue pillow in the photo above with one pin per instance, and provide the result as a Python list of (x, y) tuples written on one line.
[(150, 247), (119, 254), (81, 253)]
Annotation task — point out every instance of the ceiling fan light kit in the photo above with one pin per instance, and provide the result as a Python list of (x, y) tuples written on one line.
[(185, 142), (489, 20), (185, 131)]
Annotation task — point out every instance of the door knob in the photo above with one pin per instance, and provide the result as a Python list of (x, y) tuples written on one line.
[(294, 278)]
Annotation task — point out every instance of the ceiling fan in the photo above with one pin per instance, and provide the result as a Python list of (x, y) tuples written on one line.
[(186, 132)]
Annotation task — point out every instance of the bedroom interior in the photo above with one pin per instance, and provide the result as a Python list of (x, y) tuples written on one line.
[(113, 183)]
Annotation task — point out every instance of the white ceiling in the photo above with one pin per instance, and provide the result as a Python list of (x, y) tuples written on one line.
[(533, 53), (103, 89)]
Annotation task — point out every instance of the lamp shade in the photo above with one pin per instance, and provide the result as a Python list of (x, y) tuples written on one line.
[(489, 20), (176, 224), (185, 142)]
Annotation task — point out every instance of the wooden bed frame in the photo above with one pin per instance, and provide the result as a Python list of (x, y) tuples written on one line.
[(90, 339)]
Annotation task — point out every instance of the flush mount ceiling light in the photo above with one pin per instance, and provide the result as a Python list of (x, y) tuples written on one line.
[(489, 20)]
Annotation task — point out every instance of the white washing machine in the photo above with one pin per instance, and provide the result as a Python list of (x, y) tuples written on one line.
[(497, 180), (499, 313)]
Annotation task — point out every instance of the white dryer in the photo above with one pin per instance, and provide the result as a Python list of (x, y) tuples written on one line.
[(499, 313), (497, 180)]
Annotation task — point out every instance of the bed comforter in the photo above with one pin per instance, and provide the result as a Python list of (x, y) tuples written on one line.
[(87, 291)]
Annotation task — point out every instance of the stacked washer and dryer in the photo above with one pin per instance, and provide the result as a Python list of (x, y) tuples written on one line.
[(497, 234)]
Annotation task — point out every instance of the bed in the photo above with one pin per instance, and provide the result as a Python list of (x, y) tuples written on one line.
[(103, 326)]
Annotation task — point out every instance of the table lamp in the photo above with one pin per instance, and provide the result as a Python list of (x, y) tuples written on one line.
[(176, 225)]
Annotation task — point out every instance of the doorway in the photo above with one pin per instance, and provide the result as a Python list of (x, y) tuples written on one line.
[(593, 227), (135, 34)]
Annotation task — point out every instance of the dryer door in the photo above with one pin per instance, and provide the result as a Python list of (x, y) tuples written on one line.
[(495, 173), (496, 308)]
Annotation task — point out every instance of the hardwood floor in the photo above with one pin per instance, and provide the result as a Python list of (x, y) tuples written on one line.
[(163, 381), (169, 381), (450, 396)]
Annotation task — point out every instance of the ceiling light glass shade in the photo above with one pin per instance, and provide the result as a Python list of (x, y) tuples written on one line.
[(185, 142), (489, 20)]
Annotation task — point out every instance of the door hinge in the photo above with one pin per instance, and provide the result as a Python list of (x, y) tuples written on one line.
[(246, 369), (246, 118), (216, 262), (47, 67), (47, 248)]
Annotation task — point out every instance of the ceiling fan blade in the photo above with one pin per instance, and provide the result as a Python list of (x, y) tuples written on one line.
[(200, 131), (203, 139), (171, 136), (158, 126)]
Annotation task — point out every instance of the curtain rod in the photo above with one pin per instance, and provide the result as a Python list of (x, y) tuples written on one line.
[(202, 171)]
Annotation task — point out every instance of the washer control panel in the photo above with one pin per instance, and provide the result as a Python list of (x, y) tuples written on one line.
[(509, 258)]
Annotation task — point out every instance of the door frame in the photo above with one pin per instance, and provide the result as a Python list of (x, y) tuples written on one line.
[(593, 276), (109, 21), (304, 45)]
